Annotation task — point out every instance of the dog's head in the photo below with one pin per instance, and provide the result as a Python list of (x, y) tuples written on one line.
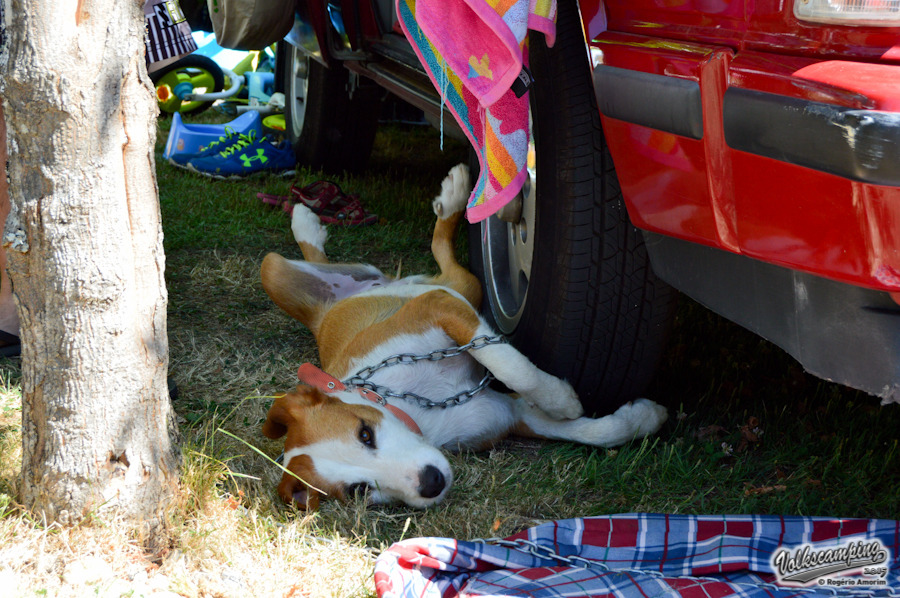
[(340, 449)]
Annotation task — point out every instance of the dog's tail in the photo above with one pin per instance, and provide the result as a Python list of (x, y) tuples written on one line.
[(307, 290)]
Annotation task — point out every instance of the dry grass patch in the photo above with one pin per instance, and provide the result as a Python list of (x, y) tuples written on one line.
[(224, 550), (10, 433), (222, 539)]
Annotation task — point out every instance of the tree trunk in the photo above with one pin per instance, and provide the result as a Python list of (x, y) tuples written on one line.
[(86, 259)]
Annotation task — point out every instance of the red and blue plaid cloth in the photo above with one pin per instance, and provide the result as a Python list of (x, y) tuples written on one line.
[(645, 555)]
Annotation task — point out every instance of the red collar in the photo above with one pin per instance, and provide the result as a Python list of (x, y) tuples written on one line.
[(310, 374)]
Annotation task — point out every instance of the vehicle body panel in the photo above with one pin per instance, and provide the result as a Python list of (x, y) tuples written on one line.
[(764, 25), (798, 160)]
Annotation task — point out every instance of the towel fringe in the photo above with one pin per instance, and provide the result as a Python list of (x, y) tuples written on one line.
[(443, 98)]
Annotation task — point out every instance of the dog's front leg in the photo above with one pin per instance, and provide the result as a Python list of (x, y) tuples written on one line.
[(462, 323), (553, 396)]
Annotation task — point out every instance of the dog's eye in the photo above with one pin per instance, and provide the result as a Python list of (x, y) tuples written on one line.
[(367, 435)]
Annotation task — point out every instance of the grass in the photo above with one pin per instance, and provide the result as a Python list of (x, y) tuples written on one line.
[(749, 432)]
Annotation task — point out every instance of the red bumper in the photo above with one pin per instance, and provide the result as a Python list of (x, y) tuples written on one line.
[(793, 161)]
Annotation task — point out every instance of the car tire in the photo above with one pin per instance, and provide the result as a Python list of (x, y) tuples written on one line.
[(330, 119), (570, 282)]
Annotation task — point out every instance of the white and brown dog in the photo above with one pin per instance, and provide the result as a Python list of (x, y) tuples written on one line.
[(342, 440)]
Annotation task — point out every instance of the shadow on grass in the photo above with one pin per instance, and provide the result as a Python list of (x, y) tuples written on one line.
[(749, 431)]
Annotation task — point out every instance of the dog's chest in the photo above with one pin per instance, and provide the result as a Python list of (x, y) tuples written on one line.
[(422, 364), (434, 381)]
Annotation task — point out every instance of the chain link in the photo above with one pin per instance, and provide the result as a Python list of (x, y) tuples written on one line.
[(361, 378)]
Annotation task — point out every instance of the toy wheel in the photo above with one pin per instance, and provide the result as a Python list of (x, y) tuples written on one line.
[(200, 73), (330, 118), (569, 279)]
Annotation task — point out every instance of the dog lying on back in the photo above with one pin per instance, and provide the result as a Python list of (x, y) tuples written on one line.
[(345, 439)]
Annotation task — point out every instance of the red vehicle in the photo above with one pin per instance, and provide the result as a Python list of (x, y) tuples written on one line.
[(744, 152)]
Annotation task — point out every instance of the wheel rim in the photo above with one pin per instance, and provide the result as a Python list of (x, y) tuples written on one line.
[(298, 82), (508, 254)]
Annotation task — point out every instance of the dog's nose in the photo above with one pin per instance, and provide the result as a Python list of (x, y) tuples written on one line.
[(431, 482)]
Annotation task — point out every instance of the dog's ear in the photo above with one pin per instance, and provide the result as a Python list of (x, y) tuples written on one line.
[(288, 409), (277, 419), (298, 488)]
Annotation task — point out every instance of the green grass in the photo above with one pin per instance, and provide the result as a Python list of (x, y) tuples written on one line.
[(821, 449), (749, 431)]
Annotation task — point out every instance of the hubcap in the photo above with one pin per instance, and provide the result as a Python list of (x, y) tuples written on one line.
[(508, 250), (298, 83)]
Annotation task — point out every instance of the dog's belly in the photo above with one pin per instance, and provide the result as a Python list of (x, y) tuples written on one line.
[(435, 380)]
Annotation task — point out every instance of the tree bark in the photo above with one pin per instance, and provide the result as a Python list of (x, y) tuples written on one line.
[(86, 259)]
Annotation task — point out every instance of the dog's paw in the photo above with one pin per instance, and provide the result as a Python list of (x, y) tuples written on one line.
[(455, 191), (643, 415), (307, 227), (556, 398)]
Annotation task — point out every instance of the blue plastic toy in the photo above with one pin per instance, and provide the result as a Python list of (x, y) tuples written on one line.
[(190, 139)]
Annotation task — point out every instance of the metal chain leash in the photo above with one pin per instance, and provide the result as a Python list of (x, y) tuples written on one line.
[(361, 378), (546, 553)]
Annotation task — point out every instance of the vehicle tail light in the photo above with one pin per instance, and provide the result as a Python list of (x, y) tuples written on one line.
[(877, 13)]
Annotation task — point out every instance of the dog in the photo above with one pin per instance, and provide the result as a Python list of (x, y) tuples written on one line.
[(346, 439)]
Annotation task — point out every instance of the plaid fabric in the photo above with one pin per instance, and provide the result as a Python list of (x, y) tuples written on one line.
[(640, 555)]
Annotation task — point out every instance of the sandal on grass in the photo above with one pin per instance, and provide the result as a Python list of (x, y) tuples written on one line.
[(333, 206), (325, 199), (321, 195), (351, 214), (277, 201)]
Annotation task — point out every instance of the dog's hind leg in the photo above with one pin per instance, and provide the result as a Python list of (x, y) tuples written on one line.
[(633, 420), (310, 234), (306, 289), (449, 206)]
